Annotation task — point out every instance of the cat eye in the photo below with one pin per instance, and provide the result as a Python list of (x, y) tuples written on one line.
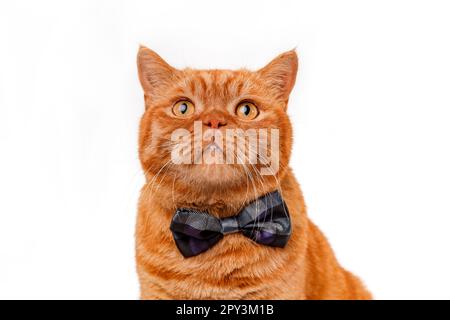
[(183, 108), (247, 111)]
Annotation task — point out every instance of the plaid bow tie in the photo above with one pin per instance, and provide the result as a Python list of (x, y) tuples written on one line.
[(265, 221)]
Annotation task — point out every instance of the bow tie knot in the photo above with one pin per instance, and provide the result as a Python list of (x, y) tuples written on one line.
[(229, 225), (265, 221)]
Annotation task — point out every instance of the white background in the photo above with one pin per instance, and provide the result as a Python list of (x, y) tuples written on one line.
[(371, 111)]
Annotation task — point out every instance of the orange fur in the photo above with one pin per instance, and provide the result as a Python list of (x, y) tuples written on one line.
[(235, 268)]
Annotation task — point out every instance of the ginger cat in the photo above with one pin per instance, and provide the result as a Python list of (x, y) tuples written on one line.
[(236, 267)]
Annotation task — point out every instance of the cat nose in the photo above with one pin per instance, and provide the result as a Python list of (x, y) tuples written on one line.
[(214, 123)]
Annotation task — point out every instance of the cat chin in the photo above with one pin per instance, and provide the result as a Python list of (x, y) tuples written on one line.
[(214, 175)]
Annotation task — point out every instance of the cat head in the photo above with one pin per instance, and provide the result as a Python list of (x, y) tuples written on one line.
[(199, 125)]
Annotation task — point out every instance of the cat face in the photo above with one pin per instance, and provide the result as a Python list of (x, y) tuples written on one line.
[(206, 127)]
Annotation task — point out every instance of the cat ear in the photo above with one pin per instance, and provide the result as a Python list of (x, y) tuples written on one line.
[(154, 72), (281, 72)]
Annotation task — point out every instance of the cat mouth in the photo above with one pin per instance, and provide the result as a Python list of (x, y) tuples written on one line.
[(212, 146)]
